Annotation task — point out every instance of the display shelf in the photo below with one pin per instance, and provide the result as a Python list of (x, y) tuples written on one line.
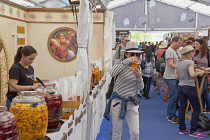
[(71, 105)]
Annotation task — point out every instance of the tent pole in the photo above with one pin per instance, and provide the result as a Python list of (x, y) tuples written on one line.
[(145, 26), (196, 21)]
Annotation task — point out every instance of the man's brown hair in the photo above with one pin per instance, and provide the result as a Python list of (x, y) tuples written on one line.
[(176, 38)]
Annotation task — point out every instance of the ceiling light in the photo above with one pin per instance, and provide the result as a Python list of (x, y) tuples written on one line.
[(22, 2)]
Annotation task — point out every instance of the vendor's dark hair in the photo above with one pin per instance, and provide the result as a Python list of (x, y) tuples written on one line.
[(26, 50)]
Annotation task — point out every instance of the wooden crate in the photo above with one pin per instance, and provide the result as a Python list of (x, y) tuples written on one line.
[(71, 104)]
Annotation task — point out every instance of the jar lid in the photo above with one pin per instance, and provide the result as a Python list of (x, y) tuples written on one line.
[(29, 93), (3, 108)]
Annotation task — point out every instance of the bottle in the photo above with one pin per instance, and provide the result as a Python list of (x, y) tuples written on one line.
[(8, 128), (31, 115), (53, 101)]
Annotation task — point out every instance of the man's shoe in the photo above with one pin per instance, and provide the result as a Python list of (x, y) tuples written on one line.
[(206, 111), (147, 98), (183, 132), (174, 120), (165, 99), (197, 134)]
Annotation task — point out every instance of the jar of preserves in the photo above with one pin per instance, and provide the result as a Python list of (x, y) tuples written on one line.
[(53, 100), (8, 128), (31, 115)]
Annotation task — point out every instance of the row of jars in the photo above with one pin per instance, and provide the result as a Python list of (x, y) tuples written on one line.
[(31, 114), (95, 76)]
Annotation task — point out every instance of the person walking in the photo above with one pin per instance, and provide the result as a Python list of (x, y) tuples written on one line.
[(123, 102), (147, 72), (187, 91), (119, 54), (172, 56), (158, 54)]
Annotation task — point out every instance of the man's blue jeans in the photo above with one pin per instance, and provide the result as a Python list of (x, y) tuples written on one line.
[(173, 90), (205, 93), (185, 93)]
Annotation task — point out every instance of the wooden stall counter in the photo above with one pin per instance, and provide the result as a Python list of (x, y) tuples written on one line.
[(70, 105)]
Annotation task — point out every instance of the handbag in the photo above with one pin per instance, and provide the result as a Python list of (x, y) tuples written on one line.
[(111, 87)]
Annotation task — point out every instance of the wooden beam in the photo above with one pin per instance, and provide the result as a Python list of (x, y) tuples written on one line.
[(101, 2)]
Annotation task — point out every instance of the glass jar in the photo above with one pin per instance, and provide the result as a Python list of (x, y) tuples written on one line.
[(31, 115), (8, 128), (54, 103)]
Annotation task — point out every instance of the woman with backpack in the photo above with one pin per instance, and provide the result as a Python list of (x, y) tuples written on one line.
[(147, 71), (185, 72), (158, 54)]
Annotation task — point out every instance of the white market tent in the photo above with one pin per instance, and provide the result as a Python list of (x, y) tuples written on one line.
[(128, 15), (160, 15)]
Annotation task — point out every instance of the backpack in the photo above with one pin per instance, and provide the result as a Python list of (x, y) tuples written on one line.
[(203, 122), (160, 65)]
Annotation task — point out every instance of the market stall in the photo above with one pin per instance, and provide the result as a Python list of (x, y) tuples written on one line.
[(71, 73)]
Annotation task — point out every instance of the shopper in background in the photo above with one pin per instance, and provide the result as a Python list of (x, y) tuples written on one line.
[(162, 48), (123, 102), (147, 72), (21, 74), (119, 54), (190, 41), (140, 45), (202, 59), (172, 56), (187, 91), (143, 46)]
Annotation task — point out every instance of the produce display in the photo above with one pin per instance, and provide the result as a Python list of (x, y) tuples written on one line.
[(95, 76), (54, 105), (31, 116), (8, 128)]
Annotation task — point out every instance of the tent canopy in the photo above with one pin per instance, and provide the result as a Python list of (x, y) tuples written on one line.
[(128, 14), (159, 15), (199, 6)]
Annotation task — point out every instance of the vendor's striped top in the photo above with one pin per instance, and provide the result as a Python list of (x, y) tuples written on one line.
[(126, 82)]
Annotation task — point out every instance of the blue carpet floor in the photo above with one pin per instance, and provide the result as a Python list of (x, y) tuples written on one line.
[(153, 122)]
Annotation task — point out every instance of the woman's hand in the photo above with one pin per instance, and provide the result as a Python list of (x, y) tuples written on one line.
[(134, 59), (202, 68), (199, 73), (35, 86), (205, 69), (137, 73)]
